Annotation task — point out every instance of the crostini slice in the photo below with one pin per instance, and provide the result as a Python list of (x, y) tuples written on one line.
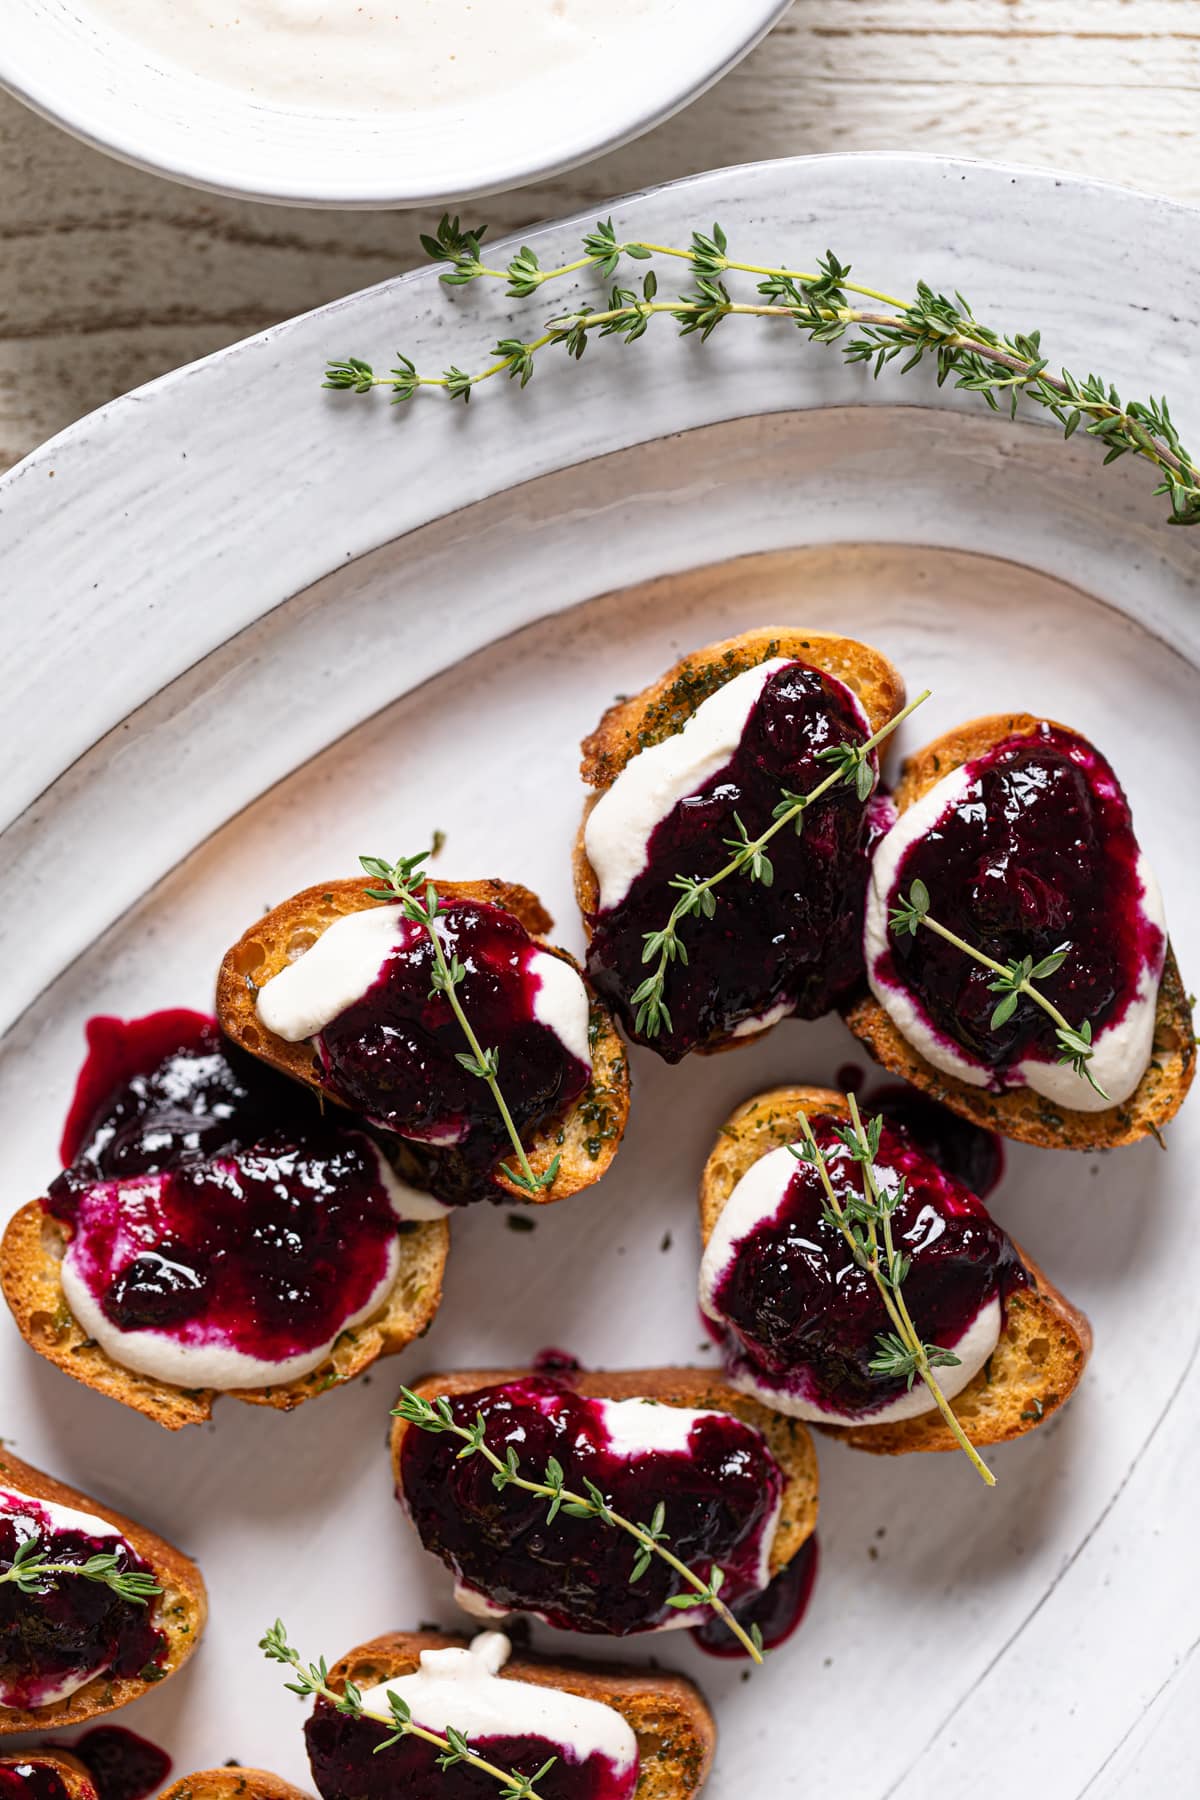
[(31, 1254), (232, 1783), (787, 1440), (156, 1092), (179, 1612), (1020, 1112), (1044, 1344), (46, 1774), (662, 710), (675, 1730), (585, 1138)]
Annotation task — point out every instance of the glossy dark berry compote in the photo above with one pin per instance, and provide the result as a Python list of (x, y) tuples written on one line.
[(969, 1152), (721, 1493), (795, 942), (778, 1610), (1036, 851), (31, 1780), (803, 1319), (346, 1766), (210, 1201), (52, 1642), (122, 1765), (394, 1055)]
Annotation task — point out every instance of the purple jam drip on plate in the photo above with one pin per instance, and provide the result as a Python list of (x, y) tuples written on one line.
[(77, 1625), (778, 1610), (345, 1765), (32, 1780), (1037, 853), (264, 1225), (798, 940), (971, 1153), (803, 1317), (122, 1765), (394, 1054), (720, 1497)]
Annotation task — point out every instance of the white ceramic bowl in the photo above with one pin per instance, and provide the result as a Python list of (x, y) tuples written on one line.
[(112, 95)]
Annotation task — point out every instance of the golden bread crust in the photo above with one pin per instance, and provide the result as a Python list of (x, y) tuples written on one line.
[(234, 1783)]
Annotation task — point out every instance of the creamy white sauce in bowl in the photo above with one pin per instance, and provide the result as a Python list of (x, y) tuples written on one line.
[(342, 103)]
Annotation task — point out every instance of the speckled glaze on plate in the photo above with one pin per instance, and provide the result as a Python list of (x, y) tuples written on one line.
[(255, 629)]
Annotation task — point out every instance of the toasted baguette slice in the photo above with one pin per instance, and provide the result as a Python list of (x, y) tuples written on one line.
[(232, 1783), (665, 707), (675, 1730), (586, 1137), (787, 1439), (31, 1254), (180, 1611), (1043, 1348), (70, 1771), (1020, 1112)]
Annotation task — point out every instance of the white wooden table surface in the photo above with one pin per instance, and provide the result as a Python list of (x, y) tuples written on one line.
[(109, 276)]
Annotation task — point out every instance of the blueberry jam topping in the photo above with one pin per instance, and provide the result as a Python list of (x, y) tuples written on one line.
[(395, 1054), (31, 1780), (210, 1202), (795, 943), (803, 1318), (345, 1766), (721, 1492), (778, 1610), (122, 1765), (51, 1643), (1036, 851), (969, 1152)]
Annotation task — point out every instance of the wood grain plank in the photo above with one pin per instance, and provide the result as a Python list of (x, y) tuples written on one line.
[(109, 276)]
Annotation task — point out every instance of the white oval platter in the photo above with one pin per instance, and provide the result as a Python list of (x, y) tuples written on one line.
[(253, 629)]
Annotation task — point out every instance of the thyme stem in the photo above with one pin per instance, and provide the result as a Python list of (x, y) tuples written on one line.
[(696, 895), (34, 1576), (980, 359), (1012, 979), (424, 909), (866, 1255), (436, 1416)]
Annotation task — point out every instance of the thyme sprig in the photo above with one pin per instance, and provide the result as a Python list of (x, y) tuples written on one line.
[(436, 1416), (1012, 979), (34, 1574), (865, 1222), (312, 1681), (419, 900), (850, 766), (979, 359)]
